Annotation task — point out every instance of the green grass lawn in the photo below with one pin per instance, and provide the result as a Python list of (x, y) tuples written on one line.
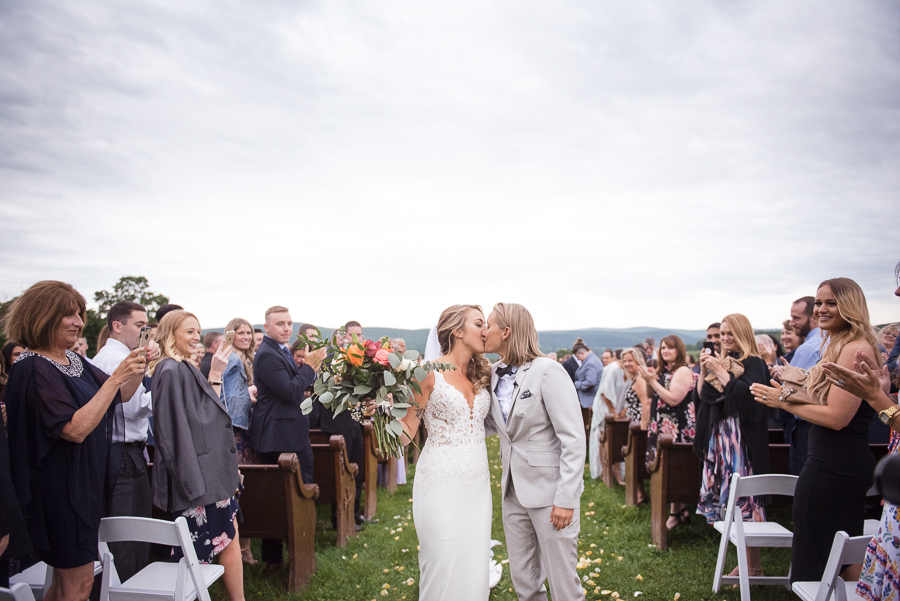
[(383, 558)]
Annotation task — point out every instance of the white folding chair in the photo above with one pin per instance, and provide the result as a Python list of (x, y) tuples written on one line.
[(845, 550), (39, 576), (751, 534), (16, 592), (183, 581)]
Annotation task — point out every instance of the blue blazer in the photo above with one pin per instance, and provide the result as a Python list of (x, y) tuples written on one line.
[(277, 424), (587, 377)]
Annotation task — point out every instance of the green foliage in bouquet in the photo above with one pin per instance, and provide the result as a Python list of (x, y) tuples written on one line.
[(367, 378)]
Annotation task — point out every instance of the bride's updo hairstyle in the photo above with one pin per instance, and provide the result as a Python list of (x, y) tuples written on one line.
[(523, 345), (478, 371)]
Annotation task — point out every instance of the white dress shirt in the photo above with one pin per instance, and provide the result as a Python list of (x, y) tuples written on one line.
[(505, 386), (139, 407)]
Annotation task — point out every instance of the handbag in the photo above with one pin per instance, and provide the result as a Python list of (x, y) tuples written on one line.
[(732, 365), (793, 382)]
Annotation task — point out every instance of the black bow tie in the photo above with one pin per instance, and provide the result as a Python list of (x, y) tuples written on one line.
[(505, 371)]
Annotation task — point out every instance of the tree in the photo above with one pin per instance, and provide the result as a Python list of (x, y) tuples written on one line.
[(129, 288)]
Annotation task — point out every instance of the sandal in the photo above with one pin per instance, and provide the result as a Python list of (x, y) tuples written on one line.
[(682, 518), (752, 572)]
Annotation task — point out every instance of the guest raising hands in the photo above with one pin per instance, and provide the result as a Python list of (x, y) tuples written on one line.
[(64, 416), (831, 493)]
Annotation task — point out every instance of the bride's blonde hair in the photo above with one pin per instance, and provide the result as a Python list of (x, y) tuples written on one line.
[(478, 370), (165, 337), (852, 307)]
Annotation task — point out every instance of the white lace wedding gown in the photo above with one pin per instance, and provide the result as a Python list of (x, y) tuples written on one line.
[(452, 497)]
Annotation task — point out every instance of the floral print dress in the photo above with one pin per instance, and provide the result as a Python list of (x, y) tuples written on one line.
[(677, 421), (880, 576), (212, 528)]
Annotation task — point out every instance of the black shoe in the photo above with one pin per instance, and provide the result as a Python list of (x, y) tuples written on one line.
[(359, 527), (362, 520)]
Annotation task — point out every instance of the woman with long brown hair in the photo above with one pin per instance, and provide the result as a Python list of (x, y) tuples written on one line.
[(831, 492), (452, 486)]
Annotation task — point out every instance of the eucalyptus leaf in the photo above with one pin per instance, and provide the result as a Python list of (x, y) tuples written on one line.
[(389, 379), (421, 374), (398, 412), (401, 405), (395, 427), (412, 355), (360, 390), (306, 406), (395, 360), (326, 398)]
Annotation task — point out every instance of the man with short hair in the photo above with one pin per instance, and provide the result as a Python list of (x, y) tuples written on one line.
[(650, 345), (277, 424), (344, 425), (82, 346), (211, 342), (714, 335), (131, 495), (257, 337), (803, 321), (607, 356), (168, 308)]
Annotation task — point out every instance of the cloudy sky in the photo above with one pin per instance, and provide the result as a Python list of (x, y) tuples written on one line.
[(604, 163)]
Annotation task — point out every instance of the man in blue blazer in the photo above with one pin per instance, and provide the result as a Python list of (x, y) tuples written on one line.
[(277, 424)]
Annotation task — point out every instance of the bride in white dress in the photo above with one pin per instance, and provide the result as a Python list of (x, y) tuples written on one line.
[(452, 486)]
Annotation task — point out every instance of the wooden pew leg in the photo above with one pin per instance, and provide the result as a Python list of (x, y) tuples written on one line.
[(632, 482), (302, 545), (659, 512), (391, 475)]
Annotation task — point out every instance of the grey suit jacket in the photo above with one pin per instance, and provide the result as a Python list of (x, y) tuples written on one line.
[(195, 460), (587, 377), (542, 443)]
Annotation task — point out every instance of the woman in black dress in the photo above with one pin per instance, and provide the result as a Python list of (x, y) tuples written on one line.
[(831, 493), (63, 416)]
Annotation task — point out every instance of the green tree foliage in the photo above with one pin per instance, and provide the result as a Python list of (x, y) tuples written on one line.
[(92, 326), (129, 288)]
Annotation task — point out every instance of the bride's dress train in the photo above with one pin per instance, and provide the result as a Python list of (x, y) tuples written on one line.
[(452, 497)]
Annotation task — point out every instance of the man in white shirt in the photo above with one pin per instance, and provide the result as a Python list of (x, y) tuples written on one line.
[(131, 496)]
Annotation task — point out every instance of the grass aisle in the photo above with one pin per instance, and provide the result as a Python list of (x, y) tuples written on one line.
[(382, 564)]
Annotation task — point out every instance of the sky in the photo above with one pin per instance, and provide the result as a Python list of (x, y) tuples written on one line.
[(612, 164)]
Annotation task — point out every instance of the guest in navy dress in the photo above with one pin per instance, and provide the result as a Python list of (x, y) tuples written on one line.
[(831, 492), (64, 415)]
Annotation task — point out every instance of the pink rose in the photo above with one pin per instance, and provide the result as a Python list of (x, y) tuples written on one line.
[(381, 356)]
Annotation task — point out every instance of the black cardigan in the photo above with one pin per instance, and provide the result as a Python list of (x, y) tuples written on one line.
[(737, 401)]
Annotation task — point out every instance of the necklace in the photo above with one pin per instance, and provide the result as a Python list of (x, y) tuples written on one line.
[(73, 369)]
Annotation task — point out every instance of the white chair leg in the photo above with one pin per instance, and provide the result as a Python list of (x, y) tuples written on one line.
[(720, 561)]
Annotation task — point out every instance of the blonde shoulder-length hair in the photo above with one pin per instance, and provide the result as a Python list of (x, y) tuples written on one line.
[(165, 337), (638, 358), (852, 307), (523, 345), (743, 335)]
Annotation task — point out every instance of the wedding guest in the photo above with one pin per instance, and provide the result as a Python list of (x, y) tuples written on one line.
[(608, 399), (14, 540), (637, 397), (805, 357), (257, 337), (11, 352), (63, 419), (211, 342), (277, 425), (196, 470), (607, 356), (398, 345), (82, 347), (298, 351), (790, 339), (831, 492), (887, 337), (769, 350), (571, 363), (131, 495), (714, 335), (153, 327), (552, 355), (588, 374), (671, 411), (881, 568), (650, 345), (239, 393), (732, 429)]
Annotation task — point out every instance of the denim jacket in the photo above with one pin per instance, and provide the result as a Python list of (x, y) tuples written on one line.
[(234, 392)]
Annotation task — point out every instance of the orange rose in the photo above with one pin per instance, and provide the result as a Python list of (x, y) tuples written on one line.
[(354, 354)]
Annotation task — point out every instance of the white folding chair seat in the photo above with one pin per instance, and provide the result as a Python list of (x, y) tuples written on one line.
[(751, 534), (871, 527), (16, 592), (845, 550), (183, 581), (39, 576)]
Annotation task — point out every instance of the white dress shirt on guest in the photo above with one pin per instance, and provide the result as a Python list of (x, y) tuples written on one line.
[(139, 407), (505, 387)]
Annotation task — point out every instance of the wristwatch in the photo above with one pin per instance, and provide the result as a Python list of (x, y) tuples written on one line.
[(888, 414)]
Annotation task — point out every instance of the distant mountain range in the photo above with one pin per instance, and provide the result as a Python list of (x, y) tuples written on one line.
[(551, 340)]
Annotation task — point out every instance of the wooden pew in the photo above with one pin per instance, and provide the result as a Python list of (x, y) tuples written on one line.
[(635, 453), (613, 437), (674, 478), (335, 475), (290, 516), (370, 467)]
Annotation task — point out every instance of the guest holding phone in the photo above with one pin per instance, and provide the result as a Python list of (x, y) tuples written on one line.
[(196, 472)]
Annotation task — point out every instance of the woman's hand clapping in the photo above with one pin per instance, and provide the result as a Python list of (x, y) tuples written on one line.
[(863, 380)]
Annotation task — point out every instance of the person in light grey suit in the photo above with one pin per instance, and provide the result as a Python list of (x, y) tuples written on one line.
[(536, 413), (588, 374)]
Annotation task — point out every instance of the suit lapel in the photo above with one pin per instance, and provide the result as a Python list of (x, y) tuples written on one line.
[(517, 389), (207, 389)]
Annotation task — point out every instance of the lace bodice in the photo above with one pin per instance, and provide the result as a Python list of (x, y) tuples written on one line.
[(455, 446)]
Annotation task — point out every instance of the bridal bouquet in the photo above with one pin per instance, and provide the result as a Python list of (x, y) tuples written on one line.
[(367, 378)]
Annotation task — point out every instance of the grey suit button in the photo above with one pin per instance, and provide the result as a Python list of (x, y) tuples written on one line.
[(232, 450)]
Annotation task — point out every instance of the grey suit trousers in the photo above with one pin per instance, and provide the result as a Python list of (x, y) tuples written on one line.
[(131, 498), (538, 551)]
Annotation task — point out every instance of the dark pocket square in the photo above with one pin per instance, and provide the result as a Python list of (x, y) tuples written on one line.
[(526, 395)]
